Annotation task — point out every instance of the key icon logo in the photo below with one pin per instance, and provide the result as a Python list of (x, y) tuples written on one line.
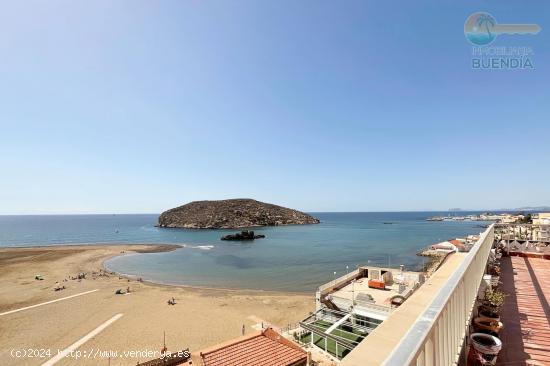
[(482, 29)]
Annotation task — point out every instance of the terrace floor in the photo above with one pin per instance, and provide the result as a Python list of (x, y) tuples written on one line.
[(380, 297), (526, 311)]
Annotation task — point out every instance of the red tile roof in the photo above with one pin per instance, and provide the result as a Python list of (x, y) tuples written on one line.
[(457, 243), (526, 311), (266, 348)]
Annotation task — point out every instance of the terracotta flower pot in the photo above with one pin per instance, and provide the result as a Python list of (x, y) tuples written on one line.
[(489, 314), (487, 324), (485, 343)]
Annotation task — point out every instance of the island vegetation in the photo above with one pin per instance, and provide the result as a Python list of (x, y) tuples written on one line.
[(232, 214)]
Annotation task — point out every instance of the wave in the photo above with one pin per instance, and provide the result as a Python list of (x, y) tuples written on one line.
[(200, 247)]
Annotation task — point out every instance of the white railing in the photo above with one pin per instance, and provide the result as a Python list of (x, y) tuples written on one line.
[(346, 305), (374, 307), (437, 337), (342, 303), (338, 281)]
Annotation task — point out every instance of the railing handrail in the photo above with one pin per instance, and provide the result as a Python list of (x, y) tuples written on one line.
[(408, 347), (366, 304), (338, 280), (337, 300)]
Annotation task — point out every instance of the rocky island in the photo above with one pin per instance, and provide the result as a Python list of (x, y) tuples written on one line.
[(232, 214)]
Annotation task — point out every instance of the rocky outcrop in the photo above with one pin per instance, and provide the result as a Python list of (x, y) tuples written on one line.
[(243, 235), (231, 214)]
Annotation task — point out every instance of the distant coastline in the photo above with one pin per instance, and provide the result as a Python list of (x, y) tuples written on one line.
[(302, 257)]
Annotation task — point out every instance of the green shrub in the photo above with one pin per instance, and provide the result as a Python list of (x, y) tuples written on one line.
[(494, 298)]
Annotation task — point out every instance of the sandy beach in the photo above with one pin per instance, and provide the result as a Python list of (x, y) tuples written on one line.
[(200, 318)]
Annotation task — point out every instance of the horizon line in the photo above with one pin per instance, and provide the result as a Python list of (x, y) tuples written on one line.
[(543, 208)]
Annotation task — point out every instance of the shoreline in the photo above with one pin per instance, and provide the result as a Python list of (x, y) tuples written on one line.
[(50, 319), (148, 248), (168, 246)]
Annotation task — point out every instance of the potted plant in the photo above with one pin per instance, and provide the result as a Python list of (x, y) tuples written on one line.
[(487, 325), (494, 300), (494, 270), (486, 347)]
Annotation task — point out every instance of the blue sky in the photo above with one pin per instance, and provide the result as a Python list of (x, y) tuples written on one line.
[(138, 106)]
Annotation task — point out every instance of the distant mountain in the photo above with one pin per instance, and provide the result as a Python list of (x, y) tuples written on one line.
[(527, 208), (536, 208), (232, 214)]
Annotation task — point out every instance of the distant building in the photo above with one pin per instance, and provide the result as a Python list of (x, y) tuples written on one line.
[(453, 245), (459, 244), (444, 246), (509, 219), (542, 220)]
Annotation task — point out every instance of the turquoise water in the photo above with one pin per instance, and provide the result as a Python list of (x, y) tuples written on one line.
[(291, 258)]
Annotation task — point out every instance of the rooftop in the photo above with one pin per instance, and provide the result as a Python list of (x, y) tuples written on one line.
[(374, 349), (526, 311), (266, 348), (379, 296), (350, 307)]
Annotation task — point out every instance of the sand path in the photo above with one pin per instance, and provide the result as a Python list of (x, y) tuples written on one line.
[(48, 302), (73, 347)]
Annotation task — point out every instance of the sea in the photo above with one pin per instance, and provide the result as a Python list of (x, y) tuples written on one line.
[(291, 258)]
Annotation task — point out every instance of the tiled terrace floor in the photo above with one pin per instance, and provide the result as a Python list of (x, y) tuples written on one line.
[(526, 312)]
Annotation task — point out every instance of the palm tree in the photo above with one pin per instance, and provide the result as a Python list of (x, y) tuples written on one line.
[(485, 20)]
